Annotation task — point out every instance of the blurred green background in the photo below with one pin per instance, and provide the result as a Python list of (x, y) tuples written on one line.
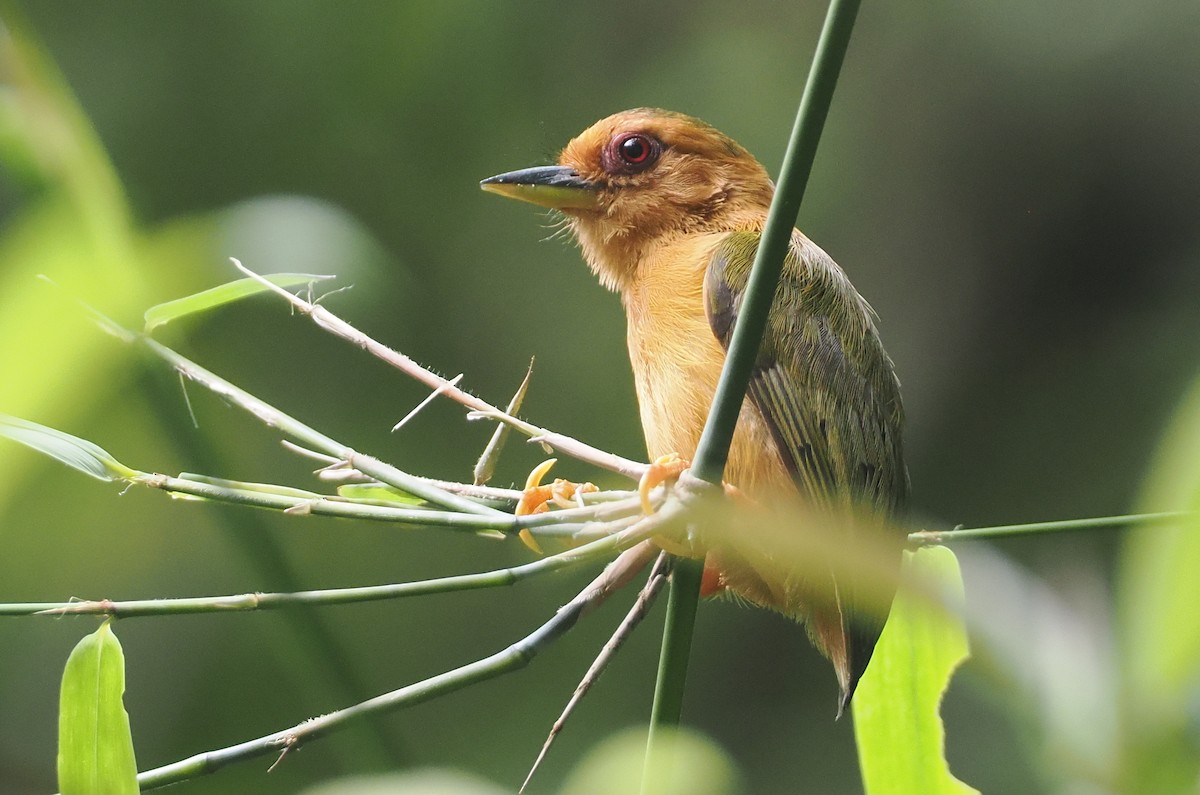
[(1012, 186)]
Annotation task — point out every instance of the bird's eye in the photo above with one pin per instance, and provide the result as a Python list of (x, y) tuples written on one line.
[(633, 152)]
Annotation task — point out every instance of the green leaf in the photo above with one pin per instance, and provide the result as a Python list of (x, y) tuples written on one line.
[(1159, 587), (485, 467), (76, 453), (377, 493), (1157, 593), (224, 294), (95, 747), (901, 740)]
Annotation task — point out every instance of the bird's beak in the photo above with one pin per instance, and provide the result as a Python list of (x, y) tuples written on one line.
[(556, 187)]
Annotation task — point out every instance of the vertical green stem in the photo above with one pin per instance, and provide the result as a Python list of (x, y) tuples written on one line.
[(713, 450)]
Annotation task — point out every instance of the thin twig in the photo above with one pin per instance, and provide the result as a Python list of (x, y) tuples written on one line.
[(578, 523), (274, 418), (339, 471), (960, 533), (332, 596), (335, 325), (645, 599), (428, 399), (512, 658)]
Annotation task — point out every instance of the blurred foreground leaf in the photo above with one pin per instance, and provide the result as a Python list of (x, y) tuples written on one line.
[(897, 724), (1158, 591), (73, 224), (418, 782), (213, 297), (95, 747), (684, 763)]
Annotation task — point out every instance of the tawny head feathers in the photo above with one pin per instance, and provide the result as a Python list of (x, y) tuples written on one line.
[(658, 174)]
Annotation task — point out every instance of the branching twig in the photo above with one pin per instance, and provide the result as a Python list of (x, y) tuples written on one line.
[(645, 599), (512, 658), (577, 523), (335, 325), (274, 418)]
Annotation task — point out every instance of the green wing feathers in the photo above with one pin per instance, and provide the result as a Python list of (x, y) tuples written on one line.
[(827, 390)]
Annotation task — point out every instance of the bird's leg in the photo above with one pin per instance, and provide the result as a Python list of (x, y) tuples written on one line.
[(537, 498)]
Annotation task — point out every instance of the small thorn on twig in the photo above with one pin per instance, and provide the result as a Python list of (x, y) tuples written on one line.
[(288, 745), (645, 599), (429, 399)]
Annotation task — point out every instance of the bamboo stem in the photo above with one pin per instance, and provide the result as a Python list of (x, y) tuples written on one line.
[(713, 448)]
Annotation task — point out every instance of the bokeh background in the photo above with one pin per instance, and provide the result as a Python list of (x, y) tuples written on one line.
[(1013, 186)]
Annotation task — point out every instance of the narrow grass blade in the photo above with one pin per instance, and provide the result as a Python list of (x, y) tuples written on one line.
[(76, 453), (95, 747), (229, 292)]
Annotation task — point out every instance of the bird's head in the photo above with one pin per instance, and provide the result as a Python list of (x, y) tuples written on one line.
[(640, 177)]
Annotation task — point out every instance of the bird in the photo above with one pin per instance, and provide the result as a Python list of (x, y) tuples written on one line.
[(668, 213)]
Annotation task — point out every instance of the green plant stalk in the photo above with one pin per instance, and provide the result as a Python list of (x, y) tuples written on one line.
[(296, 501), (512, 658), (682, 602), (713, 448), (326, 668), (274, 418), (513, 575), (336, 596), (927, 537)]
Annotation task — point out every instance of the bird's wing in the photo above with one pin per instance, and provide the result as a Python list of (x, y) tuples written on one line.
[(827, 391)]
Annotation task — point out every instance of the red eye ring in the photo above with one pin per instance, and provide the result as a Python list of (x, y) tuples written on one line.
[(631, 152)]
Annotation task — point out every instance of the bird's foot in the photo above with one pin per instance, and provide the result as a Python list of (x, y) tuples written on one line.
[(712, 582), (665, 467), (538, 498)]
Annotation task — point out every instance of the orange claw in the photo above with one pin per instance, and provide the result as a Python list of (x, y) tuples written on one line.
[(665, 467), (536, 498)]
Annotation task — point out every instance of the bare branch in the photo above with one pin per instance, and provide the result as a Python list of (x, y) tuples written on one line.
[(335, 325), (645, 599)]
